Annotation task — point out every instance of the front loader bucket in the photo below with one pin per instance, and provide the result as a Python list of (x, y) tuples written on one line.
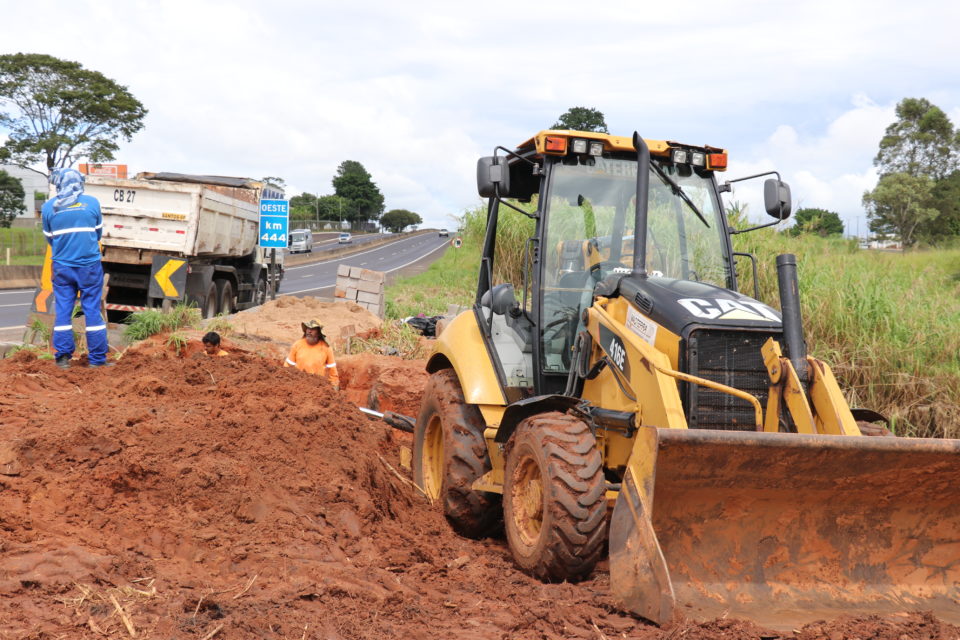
[(782, 529)]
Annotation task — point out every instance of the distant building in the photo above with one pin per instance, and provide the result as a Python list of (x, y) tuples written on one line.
[(32, 181)]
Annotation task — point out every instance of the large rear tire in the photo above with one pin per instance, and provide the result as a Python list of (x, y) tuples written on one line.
[(228, 302), (554, 498), (210, 305), (449, 454)]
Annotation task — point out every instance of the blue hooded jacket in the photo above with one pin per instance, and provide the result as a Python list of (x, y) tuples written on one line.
[(72, 222)]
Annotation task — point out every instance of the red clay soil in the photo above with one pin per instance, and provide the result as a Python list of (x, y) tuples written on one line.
[(224, 498)]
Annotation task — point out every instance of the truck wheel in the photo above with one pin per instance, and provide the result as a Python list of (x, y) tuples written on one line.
[(449, 454), (210, 301), (554, 498), (228, 302), (260, 294)]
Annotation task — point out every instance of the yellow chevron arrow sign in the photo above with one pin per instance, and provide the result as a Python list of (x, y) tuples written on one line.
[(162, 276)]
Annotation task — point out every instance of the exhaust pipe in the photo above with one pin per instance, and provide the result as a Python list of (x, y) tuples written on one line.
[(790, 312)]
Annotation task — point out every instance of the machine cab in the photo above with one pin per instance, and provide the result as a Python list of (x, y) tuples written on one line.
[(576, 193)]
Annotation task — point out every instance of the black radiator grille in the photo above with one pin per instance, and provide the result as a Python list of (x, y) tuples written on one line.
[(732, 358)]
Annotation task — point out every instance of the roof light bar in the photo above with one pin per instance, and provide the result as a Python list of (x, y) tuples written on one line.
[(679, 156), (579, 146), (596, 148)]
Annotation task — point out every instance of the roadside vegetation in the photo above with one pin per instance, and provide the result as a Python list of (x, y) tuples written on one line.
[(143, 324), (27, 245)]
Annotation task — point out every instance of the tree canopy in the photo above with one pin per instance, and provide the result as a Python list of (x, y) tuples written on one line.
[(63, 112), (11, 198), (582, 119), (396, 220), (899, 204), (362, 199), (819, 221), (922, 141)]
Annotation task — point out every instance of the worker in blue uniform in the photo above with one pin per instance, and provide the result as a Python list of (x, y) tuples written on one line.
[(73, 225)]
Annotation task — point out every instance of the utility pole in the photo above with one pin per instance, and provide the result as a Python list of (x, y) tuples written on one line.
[(316, 205)]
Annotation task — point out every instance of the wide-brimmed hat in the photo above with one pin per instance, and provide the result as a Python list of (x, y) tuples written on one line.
[(313, 324)]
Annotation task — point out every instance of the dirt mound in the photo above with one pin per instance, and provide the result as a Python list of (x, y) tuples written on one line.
[(230, 497), (279, 320)]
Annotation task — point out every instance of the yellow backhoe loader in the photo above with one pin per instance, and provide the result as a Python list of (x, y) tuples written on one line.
[(632, 373)]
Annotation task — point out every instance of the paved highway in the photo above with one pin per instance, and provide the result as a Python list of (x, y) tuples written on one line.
[(315, 279)]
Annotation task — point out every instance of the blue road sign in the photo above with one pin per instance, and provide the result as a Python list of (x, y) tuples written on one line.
[(274, 222)]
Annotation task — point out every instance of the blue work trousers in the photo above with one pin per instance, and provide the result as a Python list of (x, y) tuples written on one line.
[(88, 280)]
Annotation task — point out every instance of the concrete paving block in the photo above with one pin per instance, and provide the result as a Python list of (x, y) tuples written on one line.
[(343, 270), (351, 294), (343, 282), (372, 276), (369, 298), (339, 293), (355, 272), (369, 287)]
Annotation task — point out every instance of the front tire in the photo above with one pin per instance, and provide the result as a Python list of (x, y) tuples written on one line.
[(554, 498), (449, 454)]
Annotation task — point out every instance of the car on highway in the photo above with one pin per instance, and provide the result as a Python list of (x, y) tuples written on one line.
[(444, 233), (345, 238)]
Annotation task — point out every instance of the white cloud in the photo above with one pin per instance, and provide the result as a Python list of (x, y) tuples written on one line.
[(829, 169)]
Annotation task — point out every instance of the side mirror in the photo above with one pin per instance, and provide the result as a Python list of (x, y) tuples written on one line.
[(501, 299), (776, 198), (493, 171)]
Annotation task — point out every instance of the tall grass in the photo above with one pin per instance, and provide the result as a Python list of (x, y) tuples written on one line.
[(143, 324), (887, 323)]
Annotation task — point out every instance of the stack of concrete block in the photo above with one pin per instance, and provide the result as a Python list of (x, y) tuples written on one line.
[(362, 286)]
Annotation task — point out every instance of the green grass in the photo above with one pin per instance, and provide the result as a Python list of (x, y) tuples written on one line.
[(143, 324), (887, 323), (452, 279), (24, 243)]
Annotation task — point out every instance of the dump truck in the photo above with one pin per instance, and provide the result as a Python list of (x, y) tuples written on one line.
[(170, 237), (623, 396)]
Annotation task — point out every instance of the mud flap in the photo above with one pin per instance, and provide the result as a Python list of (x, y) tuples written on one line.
[(785, 529)]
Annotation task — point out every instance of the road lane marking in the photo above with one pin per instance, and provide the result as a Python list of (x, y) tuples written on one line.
[(331, 286), (352, 255), (18, 304), (17, 291)]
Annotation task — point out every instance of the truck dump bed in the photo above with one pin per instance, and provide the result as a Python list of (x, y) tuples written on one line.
[(177, 217)]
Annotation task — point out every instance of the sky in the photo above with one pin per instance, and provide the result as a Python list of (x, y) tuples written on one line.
[(417, 91)]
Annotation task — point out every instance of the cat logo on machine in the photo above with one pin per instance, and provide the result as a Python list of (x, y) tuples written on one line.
[(724, 309), (613, 345)]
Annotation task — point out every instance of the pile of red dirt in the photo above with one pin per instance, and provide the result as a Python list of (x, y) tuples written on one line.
[(231, 497)]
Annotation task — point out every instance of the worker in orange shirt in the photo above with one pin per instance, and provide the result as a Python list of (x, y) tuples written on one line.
[(312, 354)]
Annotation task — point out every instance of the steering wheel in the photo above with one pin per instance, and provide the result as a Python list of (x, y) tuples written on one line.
[(605, 265)]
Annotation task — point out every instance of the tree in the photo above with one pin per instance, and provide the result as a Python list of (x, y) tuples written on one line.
[(946, 200), (922, 142), (275, 181), (396, 220), (63, 112), (11, 198), (582, 119), (899, 204), (819, 221), (362, 199), (304, 207)]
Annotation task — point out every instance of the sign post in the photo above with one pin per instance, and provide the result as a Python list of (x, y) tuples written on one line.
[(274, 226)]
